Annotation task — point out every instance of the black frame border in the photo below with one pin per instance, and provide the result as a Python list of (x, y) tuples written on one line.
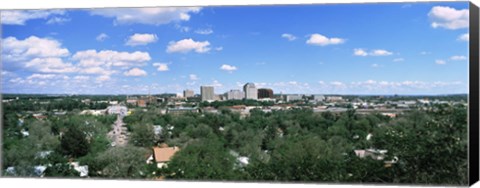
[(474, 95)]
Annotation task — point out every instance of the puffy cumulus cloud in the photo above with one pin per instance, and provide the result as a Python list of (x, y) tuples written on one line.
[(31, 47), (150, 16), (81, 78), (187, 45), (50, 65), (193, 77), (464, 37), (440, 62), (102, 78), (161, 66), (289, 37), (101, 37), (35, 54), (376, 52), (448, 18), (40, 79), (141, 39), (135, 72), (108, 58), (204, 31), (19, 17), (320, 40), (359, 52), (216, 83), (97, 70), (229, 68), (458, 58), (380, 53)]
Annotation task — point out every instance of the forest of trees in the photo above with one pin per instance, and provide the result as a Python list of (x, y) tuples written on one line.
[(287, 145), (299, 145)]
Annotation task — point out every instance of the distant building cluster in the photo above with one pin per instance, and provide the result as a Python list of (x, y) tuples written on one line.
[(250, 91)]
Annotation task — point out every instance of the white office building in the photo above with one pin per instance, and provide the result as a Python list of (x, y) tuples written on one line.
[(296, 97), (318, 98), (235, 94), (207, 93), (250, 91), (188, 93)]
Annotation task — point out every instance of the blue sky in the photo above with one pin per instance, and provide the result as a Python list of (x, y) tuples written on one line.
[(399, 48)]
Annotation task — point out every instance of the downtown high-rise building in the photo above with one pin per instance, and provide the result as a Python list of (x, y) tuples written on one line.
[(250, 91), (188, 93), (265, 93), (207, 93), (235, 94)]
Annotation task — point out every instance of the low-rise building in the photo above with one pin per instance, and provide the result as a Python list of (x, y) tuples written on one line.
[(292, 97), (181, 110), (162, 155)]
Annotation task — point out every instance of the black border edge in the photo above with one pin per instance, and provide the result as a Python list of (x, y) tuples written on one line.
[(474, 95)]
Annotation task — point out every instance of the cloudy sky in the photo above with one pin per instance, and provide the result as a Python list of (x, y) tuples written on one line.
[(419, 48)]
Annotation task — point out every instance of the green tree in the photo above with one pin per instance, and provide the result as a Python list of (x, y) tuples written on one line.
[(74, 143)]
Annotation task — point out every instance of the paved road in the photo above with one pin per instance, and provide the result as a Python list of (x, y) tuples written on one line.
[(119, 133)]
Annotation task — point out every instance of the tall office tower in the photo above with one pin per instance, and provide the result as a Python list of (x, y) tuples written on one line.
[(265, 93), (188, 93), (207, 93), (250, 91), (235, 95)]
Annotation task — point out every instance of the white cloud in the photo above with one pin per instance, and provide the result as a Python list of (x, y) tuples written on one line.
[(219, 48), (102, 78), (41, 76), (161, 66), (101, 37), (183, 29), (449, 18), (289, 37), (380, 53), (57, 20), (458, 58), (151, 16), (216, 83), (31, 47), (141, 39), (36, 54), (425, 53), (398, 60), (464, 37), (377, 52), (19, 17), (81, 78), (204, 31), (320, 40), (359, 52), (50, 65), (193, 77), (109, 58), (96, 70), (375, 65), (135, 72), (440, 62), (228, 68), (187, 45)]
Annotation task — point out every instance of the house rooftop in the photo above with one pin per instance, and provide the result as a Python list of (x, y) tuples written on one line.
[(164, 154)]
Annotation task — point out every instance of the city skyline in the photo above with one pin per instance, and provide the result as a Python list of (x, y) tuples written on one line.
[(412, 49)]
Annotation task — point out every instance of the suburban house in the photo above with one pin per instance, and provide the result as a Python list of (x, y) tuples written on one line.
[(163, 154)]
